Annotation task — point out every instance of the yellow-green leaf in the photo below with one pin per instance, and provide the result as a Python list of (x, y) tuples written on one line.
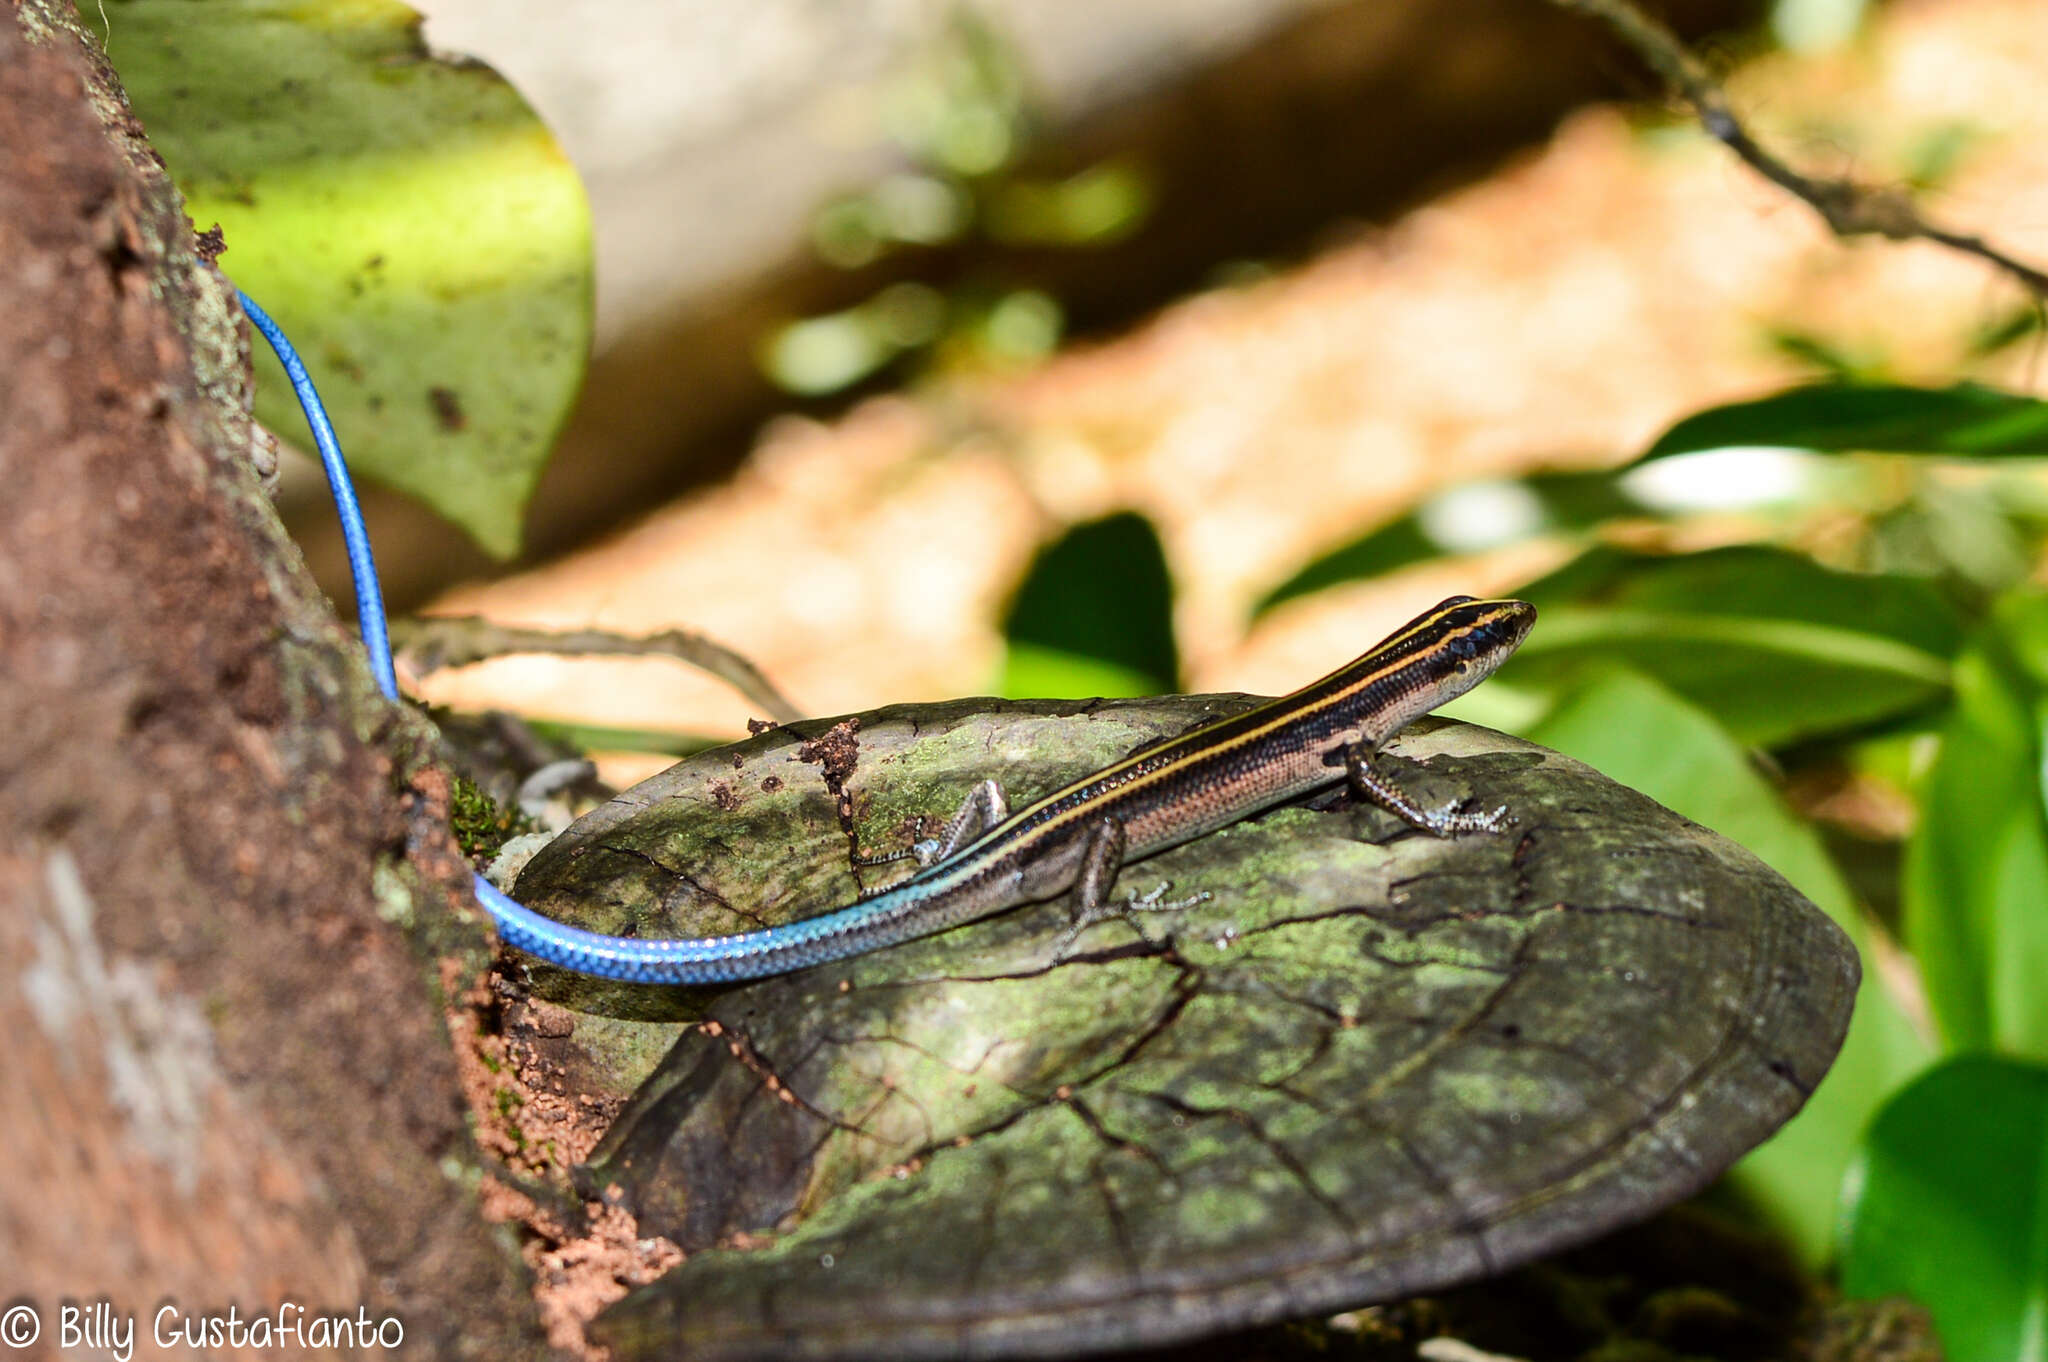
[(407, 219)]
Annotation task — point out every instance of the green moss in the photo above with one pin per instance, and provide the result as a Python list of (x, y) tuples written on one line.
[(481, 824)]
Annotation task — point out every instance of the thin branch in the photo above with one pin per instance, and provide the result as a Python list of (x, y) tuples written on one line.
[(1848, 208), (430, 643)]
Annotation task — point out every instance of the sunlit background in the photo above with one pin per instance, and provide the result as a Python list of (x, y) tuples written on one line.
[(835, 408)]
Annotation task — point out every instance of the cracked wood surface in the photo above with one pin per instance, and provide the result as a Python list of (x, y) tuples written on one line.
[(1373, 1063)]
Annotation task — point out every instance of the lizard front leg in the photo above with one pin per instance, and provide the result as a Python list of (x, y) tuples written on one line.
[(1447, 821)]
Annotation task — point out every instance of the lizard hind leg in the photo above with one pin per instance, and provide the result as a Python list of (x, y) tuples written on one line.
[(1101, 859), (984, 807)]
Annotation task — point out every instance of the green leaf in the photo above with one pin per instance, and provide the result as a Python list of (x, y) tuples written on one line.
[(1637, 732), (1976, 880), (1769, 681), (1967, 419), (1094, 616), (1775, 646), (408, 220), (1758, 582), (1388, 548), (1100, 206), (2010, 329), (1950, 1207), (1465, 519), (1032, 671)]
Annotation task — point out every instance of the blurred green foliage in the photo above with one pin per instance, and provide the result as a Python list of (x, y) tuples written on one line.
[(1950, 1206), (1816, 25), (1902, 653), (1835, 417), (1976, 877), (961, 119), (1094, 616)]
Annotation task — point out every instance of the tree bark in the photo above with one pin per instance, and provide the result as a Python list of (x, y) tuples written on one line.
[(227, 1076)]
